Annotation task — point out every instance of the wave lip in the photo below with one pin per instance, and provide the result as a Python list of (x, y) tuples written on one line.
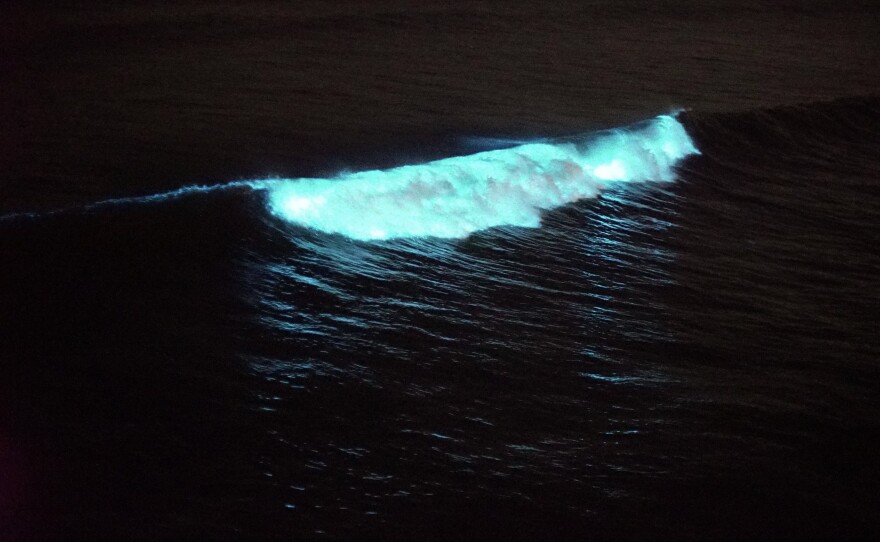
[(454, 197)]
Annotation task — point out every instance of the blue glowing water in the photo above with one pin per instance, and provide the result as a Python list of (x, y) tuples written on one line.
[(245, 322), (454, 197)]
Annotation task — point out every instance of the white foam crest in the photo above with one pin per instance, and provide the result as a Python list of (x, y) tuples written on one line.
[(453, 197)]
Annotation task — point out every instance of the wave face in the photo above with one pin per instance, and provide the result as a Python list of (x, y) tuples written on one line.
[(454, 197), (572, 377)]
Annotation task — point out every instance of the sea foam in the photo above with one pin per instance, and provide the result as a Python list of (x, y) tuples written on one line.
[(454, 197)]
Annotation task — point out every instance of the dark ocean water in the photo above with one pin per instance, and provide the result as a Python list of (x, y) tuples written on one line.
[(685, 360)]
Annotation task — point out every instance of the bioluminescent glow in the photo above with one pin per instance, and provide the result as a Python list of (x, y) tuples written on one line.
[(453, 197), (139, 200)]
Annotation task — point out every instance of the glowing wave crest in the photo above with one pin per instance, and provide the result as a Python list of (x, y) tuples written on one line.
[(454, 197)]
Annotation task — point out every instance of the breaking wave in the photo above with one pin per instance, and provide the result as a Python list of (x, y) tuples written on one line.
[(454, 197)]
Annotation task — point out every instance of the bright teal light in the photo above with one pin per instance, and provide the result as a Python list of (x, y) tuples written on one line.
[(454, 197)]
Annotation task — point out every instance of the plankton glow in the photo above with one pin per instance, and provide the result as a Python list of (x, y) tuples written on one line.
[(456, 196)]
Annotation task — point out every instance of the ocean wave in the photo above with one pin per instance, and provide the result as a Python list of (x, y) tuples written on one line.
[(454, 197)]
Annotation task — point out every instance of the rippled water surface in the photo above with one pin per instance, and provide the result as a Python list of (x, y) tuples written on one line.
[(505, 304)]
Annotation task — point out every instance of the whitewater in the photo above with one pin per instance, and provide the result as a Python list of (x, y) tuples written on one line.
[(454, 197)]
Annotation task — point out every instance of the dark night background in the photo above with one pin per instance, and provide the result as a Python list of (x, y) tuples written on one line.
[(695, 360)]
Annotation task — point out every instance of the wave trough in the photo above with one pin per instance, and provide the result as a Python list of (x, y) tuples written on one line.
[(454, 197)]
